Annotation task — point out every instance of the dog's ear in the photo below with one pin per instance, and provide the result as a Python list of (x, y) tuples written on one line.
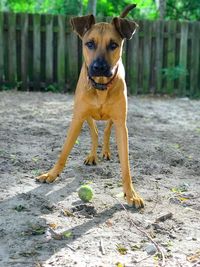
[(82, 24), (125, 27)]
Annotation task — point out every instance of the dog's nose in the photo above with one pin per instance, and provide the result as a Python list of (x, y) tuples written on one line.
[(99, 67)]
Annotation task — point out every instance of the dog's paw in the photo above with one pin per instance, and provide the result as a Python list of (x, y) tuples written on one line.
[(106, 155), (133, 199), (91, 160), (48, 177)]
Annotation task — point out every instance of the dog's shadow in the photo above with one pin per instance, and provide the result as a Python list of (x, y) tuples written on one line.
[(28, 209)]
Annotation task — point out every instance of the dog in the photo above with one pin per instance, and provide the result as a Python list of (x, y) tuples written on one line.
[(101, 94)]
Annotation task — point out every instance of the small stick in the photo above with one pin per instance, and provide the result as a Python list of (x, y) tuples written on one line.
[(102, 246), (144, 258), (70, 247), (159, 249), (164, 217), (196, 264)]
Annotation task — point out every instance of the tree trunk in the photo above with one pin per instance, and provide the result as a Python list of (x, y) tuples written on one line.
[(91, 7), (161, 6)]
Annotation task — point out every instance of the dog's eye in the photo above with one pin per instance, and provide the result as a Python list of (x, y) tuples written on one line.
[(112, 46), (90, 45)]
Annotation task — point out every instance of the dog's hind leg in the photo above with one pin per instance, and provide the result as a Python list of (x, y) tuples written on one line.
[(92, 157), (106, 140)]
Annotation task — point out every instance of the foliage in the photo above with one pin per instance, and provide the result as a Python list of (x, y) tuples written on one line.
[(145, 9), (183, 9), (175, 9), (174, 73)]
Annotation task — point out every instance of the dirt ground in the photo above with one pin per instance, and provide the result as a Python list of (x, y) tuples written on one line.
[(48, 225)]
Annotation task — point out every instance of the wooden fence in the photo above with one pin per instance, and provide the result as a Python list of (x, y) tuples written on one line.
[(40, 52)]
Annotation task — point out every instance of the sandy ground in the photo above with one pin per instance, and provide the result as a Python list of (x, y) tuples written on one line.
[(48, 225)]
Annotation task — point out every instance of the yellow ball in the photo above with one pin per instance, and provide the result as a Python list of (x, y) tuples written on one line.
[(85, 193)]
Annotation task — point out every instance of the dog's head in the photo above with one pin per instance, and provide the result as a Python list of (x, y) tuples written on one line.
[(102, 42)]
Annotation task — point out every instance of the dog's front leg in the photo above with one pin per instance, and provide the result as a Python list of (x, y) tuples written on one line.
[(70, 140), (131, 196)]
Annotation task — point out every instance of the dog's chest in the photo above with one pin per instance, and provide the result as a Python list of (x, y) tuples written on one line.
[(101, 109), (100, 113)]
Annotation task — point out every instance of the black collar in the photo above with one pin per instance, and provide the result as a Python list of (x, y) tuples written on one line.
[(102, 86)]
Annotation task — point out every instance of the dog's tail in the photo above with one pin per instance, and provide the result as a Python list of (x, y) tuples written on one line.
[(127, 10)]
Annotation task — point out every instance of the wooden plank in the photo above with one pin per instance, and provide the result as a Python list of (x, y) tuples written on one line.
[(49, 49), (71, 60), (152, 82), (183, 57), (36, 50), (12, 58), (61, 52), (146, 55), (195, 53), (171, 54), (133, 63), (1, 48), (159, 54), (24, 50)]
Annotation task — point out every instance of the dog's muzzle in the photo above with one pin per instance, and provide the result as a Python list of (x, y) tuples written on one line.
[(100, 67), (102, 86)]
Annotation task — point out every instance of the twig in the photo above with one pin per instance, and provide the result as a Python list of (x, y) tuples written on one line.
[(196, 264), (143, 259), (102, 246), (164, 217), (55, 235), (70, 247), (159, 249)]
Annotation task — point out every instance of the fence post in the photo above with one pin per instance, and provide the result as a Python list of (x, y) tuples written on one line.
[(159, 54), (171, 54), (12, 58), (24, 50), (183, 56), (195, 53), (1, 48), (36, 50), (71, 62), (49, 49), (132, 63), (61, 51), (146, 56)]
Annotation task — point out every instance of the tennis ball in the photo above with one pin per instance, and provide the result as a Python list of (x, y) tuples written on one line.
[(85, 193)]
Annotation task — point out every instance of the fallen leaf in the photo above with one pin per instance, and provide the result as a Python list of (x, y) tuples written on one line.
[(35, 230), (53, 225), (35, 159), (122, 250), (136, 247), (119, 264), (77, 142), (109, 223), (194, 257), (67, 213), (67, 234), (176, 146), (182, 199)]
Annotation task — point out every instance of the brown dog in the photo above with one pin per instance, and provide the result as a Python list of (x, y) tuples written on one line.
[(101, 95)]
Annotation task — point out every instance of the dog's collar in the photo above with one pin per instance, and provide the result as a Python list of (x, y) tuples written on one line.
[(102, 86)]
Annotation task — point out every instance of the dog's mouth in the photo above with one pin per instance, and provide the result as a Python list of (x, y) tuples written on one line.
[(98, 83)]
